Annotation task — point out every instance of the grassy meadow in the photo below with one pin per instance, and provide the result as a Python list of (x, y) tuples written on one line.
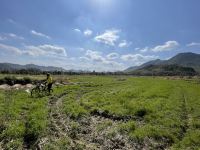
[(103, 112)]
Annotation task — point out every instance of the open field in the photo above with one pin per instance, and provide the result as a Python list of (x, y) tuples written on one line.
[(103, 112)]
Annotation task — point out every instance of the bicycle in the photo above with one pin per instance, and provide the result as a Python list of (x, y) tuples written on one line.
[(41, 89)]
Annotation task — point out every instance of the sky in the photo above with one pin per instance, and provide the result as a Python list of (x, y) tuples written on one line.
[(100, 35)]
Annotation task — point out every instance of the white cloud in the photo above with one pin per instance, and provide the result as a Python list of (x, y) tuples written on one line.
[(137, 59), (45, 50), (143, 50), (124, 43), (88, 32), (169, 45), (7, 36), (83, 58), (193, 44), (12, 35), (109, 37), (11, 49), (77, 30), (94, 55), (97, 58), (33, 32), (137, 48), (112, 56)]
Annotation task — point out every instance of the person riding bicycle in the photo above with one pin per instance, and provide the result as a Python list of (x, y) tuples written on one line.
[(49, 82)]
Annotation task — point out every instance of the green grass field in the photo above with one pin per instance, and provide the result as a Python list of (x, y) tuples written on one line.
[(104, 112)]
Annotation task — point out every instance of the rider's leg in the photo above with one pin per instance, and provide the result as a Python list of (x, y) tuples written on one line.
[(49, 87)]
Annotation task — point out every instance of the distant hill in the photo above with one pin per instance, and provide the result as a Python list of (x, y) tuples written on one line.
[(187, 60), (165, 70), (153, 62), (12, 67)]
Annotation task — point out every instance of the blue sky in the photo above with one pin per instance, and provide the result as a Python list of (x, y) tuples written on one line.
[(97, 35)]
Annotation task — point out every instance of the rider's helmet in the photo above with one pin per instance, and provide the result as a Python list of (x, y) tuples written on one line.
[(48, 74)]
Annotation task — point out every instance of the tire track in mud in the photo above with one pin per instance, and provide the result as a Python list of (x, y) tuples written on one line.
[(56, 118), (86, 134), (59, 126), (185, 116), (107, 115), (98, 140), (58, 123)]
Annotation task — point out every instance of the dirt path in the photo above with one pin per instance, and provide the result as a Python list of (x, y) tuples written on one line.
[(185, 116), (83, 133), (59, 127), (58, 123)]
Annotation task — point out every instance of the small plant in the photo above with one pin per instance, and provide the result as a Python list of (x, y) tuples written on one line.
[(126, 127), (141, 112)]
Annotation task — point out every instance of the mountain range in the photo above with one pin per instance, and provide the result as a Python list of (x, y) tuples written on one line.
[(182, 61), (181, 64), (11, 67)]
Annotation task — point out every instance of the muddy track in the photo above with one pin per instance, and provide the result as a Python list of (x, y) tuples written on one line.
[(106, 114), (57, 120), (106, 138), (57, 127), (184, 117), (86, 134)]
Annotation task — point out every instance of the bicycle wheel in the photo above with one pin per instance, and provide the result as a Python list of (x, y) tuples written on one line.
[(35, 92)]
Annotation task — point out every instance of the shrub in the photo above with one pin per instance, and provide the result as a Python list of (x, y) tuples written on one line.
[(27, 80), (10, 80), (141, 112)]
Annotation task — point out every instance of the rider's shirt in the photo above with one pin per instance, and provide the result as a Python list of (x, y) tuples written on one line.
[(49, 80)]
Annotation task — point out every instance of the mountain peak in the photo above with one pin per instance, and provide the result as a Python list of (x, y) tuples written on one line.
[(187, 59)]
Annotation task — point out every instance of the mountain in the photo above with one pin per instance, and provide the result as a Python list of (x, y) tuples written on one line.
[(190, 60), (153, 62), (187, 60), (11, 67), (131, 68), (165, 70)]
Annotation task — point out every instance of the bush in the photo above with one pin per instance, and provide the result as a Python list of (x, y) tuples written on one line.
[(27, 80), (141, 112), (11, 80)]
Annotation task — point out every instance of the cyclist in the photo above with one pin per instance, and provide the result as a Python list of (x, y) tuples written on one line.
[(49, 82)]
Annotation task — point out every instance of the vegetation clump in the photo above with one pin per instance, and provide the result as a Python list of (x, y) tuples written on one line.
[(11, 80)]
